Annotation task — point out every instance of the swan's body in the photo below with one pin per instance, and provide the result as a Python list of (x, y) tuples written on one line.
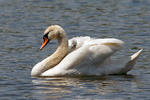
[(82, 56)]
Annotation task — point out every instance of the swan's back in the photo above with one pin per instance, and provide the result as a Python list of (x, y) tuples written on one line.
[(78, 42)]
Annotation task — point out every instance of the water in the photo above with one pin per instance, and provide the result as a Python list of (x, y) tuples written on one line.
[(22, 23)]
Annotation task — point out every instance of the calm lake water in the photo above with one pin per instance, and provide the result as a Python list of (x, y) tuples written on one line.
[(22, 23)]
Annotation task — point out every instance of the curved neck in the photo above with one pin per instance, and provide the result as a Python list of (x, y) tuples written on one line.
[(54, 59)]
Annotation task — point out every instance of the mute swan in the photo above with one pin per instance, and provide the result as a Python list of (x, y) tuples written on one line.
[(82, 56)]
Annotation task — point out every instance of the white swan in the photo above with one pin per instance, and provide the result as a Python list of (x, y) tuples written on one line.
[(83, 56)]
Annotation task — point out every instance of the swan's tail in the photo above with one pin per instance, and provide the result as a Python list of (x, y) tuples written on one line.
[(129, 65)]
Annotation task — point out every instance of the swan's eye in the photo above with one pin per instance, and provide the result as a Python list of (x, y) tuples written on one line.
[(46, 35), (74, 44)]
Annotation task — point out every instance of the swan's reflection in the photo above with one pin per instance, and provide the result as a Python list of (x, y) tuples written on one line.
[(84, 87)]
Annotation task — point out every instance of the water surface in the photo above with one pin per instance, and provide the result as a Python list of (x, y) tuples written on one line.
[(22, 23)]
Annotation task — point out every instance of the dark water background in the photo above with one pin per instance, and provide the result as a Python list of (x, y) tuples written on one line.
[(22, 23)]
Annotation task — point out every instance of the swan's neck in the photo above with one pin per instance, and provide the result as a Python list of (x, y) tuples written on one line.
[(54, 59)]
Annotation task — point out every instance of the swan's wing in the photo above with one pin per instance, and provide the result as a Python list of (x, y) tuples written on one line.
[(104, 45), (96, 51), (101, 49), (110, 42), (90, 53)]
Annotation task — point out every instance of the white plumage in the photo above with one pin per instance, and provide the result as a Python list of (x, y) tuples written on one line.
[(85, 56)]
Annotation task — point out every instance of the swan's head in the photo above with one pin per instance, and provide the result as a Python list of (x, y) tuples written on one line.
[(52, 32), (72, 45)]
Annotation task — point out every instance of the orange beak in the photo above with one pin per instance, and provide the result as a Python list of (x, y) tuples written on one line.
[(44, 43)]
